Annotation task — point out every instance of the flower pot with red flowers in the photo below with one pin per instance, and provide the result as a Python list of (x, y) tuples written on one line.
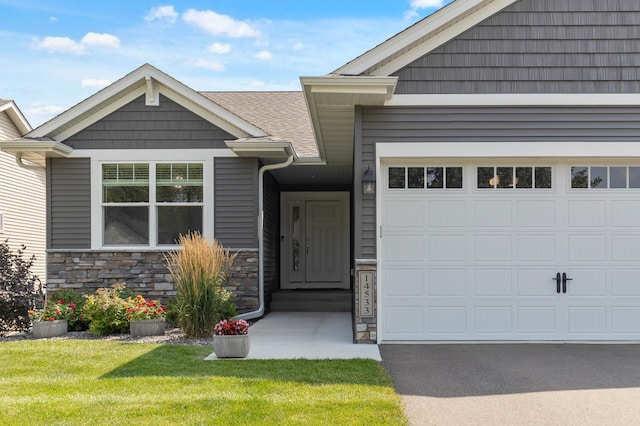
[(231, 339), (53, 320), (146, 317)]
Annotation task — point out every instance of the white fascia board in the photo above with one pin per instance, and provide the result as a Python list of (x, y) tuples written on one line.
[(262, 149), (144, 155), (445, 24), (47, 148), (517, 99), (373, 85), (110, 99), (16, 116), (546, 149)]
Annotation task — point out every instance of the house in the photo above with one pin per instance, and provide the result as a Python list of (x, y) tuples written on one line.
[(22, 194), (474, 178)]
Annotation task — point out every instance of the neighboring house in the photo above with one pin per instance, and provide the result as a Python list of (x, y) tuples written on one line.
[(498, 140), (22, 194)]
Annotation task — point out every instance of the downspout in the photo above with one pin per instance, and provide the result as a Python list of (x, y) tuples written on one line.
[(258, 313), (28, 166)]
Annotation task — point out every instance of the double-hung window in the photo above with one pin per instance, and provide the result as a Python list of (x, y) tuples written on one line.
[(151, 203)]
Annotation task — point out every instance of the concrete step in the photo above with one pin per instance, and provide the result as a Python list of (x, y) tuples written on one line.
[(311, 301)]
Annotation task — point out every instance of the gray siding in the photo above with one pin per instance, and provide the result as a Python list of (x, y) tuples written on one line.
[(508, 125), (537, 46), (136, 126), (271, 237), (69, 203), (236, 202)]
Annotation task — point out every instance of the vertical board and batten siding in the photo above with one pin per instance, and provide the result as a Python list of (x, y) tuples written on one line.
[(236, 202), (507, 124), (271, 237), (69, 203), (136, 126), (537, 46), (22, 204)]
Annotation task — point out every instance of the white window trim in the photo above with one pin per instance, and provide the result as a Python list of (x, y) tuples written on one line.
[(206, 157)]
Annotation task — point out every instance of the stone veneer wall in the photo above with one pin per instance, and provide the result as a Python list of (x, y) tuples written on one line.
[(366, 328), (144, 272)]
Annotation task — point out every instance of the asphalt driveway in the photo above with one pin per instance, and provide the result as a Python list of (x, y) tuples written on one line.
[(517, 384)]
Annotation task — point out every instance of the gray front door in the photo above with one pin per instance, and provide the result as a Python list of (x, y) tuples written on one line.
[(315, 240)]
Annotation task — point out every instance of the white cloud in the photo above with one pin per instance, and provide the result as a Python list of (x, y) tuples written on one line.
[(297, 46), (218, 24), (257, 83), (67, 45), (264, 55), (39, 113), (101, 40), (53, 19), (219, 48), (95, 82), (60, 44), (426, 4), (210, 65), (166, 14)]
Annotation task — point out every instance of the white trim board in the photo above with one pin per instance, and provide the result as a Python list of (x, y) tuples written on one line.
[(514, 149), (517, 99)]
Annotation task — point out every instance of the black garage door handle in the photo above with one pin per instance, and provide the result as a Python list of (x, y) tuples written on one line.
[(557, 278), (564, 282)]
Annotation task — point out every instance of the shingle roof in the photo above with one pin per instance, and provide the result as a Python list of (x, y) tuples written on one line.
[(283, 115)]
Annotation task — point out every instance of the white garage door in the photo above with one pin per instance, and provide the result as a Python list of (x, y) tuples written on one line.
[(472, 251)]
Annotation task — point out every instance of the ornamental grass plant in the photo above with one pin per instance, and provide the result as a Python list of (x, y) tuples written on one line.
[(200, 269)]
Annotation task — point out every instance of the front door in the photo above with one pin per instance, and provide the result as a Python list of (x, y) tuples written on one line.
[(315, 240)]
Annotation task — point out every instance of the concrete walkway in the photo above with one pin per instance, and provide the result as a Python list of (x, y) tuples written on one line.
[(309, 335), (517, 384)]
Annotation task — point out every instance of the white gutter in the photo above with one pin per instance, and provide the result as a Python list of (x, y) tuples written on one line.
[(28, 166), (263, 169)]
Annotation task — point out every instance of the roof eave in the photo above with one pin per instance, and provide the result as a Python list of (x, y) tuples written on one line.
[(16, 116), (36, 151), (261, 148)]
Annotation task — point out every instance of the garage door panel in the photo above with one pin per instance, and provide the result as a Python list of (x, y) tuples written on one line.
[(493, 213), (407, 321), (587, 282), (447, 214), (404, 214), (493, 282), (536, 213), (493, 248), (447, 282), (537, 282), (404, 248), (587, 319), (625, 319), (625, 248), (625, 282), (587, 248), (493, 319), (403, 282), (537, 320), (447, 248), (447, 319), (625, 213), (536, 248), (587, 213)]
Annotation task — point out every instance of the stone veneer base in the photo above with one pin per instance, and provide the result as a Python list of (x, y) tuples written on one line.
[(366, 329), (144, 272)]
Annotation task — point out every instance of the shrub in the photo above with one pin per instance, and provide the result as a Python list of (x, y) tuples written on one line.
[(76, 320), (199, 270), (106, 310), (20, 290)]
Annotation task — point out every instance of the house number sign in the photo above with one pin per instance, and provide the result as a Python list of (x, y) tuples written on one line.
[(365, 280)]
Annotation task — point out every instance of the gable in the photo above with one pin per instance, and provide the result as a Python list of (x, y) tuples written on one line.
[(537, 46), (138, 126)]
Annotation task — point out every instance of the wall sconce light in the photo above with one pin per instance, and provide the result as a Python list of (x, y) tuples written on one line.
[(368, 182)]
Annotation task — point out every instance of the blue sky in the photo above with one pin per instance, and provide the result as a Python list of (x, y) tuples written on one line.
[(55, 53)]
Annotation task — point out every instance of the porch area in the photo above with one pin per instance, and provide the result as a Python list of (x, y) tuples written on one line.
[(308, 335)]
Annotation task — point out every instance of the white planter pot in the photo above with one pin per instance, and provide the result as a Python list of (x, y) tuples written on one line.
[(45, 329), (151, 327), (236, 346)]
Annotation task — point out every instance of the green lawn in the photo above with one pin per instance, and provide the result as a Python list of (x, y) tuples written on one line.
[(78, 382)]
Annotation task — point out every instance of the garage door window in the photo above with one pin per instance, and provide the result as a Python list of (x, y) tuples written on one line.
[(605, 177), (509, 177), (425, 177)]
